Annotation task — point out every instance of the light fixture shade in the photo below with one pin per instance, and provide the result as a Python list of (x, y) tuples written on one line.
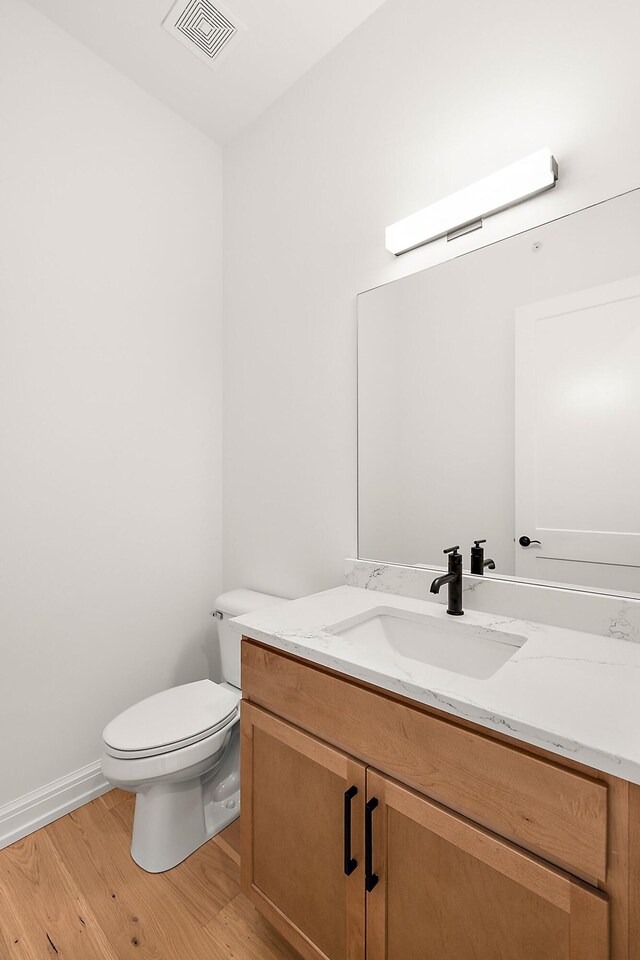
[(513, 184)]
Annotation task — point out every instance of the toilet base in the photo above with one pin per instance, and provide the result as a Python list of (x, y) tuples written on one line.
[(168, 828), (220, 814), (172, 819)]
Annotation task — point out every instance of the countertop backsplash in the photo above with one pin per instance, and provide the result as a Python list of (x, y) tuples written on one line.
[(597, 613)]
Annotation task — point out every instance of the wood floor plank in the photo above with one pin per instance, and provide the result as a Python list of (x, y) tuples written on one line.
[(207, 881), (231, 835), (229, 840), (240, 933), (123, 813), (43, 913), (142, 914), (115, 796), (72, 892)]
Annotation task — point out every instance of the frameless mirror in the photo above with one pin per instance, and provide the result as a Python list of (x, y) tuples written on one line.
[(499, 400)]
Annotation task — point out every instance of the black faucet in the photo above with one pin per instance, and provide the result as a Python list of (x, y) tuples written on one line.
[(454, 579), (478, 562)]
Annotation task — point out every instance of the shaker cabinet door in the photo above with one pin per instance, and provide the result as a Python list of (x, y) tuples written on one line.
[(443, 888), (302, 836)]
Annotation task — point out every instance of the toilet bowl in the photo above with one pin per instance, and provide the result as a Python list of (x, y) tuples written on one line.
[(179, 752)]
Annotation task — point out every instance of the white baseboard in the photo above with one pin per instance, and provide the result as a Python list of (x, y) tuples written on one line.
[(40, 807)]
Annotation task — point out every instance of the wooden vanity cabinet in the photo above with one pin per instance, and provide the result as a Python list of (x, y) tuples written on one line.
[(348, 861), (448, 890), (302, 818)]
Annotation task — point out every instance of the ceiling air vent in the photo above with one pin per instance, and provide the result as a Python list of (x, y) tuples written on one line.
[(206, 30)]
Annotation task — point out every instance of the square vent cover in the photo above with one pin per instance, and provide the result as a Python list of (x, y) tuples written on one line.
[(207, 30)]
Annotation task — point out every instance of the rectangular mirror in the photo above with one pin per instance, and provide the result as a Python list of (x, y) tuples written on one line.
[(499, 399)]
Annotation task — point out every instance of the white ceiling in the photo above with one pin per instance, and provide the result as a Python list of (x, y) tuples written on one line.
[(283, 39)]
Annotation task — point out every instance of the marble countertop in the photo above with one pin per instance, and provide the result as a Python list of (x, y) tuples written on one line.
[(572, 693)]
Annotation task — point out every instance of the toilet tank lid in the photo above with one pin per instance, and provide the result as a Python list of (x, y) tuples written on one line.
[(235, 603)]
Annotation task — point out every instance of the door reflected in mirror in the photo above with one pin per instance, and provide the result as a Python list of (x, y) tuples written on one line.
[(499, 400)]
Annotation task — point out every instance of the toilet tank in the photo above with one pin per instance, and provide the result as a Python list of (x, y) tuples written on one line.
[(236, 603)]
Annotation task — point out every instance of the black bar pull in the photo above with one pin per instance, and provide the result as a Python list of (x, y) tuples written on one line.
[(370, 878), (349, 862)]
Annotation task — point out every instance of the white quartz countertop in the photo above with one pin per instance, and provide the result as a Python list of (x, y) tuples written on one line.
[(574, 694)]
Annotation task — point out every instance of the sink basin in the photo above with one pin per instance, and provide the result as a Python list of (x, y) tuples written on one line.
[(412, 638)]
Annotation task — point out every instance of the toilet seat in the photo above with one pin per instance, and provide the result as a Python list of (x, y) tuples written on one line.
[(172, 720)]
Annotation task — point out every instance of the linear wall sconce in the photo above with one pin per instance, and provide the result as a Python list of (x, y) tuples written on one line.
[(463, 211)]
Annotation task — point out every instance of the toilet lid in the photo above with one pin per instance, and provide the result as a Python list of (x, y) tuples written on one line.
[(171, 719)]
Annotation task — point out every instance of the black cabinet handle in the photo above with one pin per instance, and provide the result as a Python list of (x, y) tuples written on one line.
[(370, 878), (349, 862), (527, 541)]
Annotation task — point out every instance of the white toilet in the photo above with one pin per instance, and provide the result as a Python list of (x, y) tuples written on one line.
[(179, 752)]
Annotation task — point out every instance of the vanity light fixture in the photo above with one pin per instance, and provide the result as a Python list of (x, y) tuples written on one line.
[(463, 211)]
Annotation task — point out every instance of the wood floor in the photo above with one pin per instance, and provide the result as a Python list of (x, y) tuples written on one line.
[(72, 892)]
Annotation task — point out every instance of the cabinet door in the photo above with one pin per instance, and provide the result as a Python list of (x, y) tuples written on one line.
[(448, 890), (303, 836)]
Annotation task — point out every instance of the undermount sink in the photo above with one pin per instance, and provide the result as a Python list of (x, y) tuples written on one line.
[(462, 648)]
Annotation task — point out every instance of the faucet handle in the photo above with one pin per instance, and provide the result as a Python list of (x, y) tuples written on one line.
[(452, 550), (478, 542)]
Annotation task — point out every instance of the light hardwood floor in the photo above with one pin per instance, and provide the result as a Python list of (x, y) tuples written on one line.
[(72, 892)]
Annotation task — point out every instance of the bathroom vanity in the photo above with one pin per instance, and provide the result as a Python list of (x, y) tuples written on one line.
[(399, 809)]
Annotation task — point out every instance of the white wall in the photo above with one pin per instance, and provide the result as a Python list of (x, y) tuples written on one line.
[(110, 399), (419, 101)]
